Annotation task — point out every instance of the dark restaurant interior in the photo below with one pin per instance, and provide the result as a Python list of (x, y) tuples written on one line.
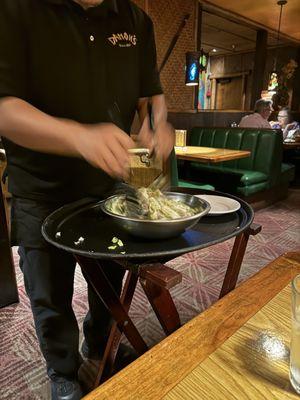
[(208, 247)]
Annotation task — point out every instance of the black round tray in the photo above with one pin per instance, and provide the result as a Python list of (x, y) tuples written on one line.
[(85, 219)]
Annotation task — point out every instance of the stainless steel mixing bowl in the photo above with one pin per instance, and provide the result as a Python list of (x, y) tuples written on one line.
[(160, 229)]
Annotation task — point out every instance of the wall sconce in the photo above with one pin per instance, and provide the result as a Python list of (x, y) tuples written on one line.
[(192, 68), (196, 62)]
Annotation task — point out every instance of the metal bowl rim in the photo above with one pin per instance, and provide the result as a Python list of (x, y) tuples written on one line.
[(160, 221)]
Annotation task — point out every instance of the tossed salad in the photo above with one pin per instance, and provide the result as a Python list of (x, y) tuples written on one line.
[(155, 206)]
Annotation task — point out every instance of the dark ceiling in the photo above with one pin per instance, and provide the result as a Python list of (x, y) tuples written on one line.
[(227, 34), (264, 13)]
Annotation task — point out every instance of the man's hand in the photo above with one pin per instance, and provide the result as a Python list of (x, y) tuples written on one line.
[(164, 140), (106, 146), (145, 138), (160, 142), (103, 145)]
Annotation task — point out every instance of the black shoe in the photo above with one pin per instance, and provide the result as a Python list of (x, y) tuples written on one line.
[(63, 389)]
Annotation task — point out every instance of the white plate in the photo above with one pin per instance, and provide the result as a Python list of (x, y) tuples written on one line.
[(220, 204)]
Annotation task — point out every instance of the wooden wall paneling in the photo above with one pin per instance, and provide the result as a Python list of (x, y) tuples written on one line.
[(228, 90), (217, 66), (214, 94), (187, 120), (247, 64), (229, 63), (259, 65), (233, 64), (243, 94), (229, 93)]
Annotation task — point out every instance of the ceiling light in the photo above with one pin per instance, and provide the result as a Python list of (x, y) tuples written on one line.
[(273, 79), (214, 50)]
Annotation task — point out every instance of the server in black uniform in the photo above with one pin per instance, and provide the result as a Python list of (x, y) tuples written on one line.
[(63, 65)]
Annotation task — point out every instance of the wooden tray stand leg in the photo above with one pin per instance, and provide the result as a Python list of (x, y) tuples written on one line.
[(106, 365), (156, 280), (236, 259), (97, 278)]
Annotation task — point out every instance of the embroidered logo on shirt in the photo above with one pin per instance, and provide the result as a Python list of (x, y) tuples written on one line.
[(123, 39)]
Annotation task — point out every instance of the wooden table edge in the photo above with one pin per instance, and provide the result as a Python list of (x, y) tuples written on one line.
[(291, 145), (211, 159), (155, 373)]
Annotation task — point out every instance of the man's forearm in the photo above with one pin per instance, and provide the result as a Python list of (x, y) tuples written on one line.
[(159, 109), (27, 126), (163, 139)]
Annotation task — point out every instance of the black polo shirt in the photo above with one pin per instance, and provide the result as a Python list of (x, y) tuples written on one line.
[(72, 63)]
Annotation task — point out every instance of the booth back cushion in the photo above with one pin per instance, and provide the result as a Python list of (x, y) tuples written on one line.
[(265, 146)]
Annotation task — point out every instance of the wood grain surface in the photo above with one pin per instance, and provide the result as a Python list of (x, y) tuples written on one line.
[(158, 371), (209, 154), (251, 365), (291, 145)]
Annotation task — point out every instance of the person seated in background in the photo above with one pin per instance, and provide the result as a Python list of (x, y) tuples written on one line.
[(284, 121), (259, 119)]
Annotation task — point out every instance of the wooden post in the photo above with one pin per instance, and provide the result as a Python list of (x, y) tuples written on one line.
[(244, 83), (198, 38), (259, 65), (213, 94), (295, 106)]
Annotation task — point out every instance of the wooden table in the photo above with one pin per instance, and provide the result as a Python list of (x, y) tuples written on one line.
[(291, 145), (209, 154), (227, 352)]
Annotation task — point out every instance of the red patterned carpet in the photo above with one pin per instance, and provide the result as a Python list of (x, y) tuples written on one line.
[(22, 369)]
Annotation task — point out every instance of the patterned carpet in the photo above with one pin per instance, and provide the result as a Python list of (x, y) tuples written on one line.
[(22, 369)]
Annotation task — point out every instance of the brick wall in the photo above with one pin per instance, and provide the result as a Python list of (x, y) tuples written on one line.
[(141, 3), (167, 15)]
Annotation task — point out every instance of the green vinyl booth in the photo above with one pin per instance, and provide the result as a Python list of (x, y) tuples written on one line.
[(262, 170), (176, 182)]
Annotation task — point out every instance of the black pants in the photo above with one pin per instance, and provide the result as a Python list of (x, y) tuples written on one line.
[(49, 276)]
